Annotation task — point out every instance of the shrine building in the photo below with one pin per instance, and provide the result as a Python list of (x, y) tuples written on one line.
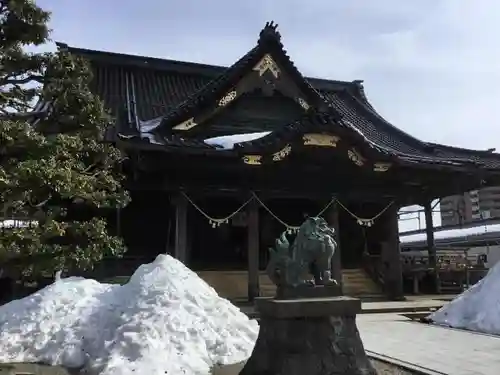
[(222, 160)]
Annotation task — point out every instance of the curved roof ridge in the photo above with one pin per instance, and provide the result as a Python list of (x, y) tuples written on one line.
[(269, 43), (165, 64), (322, 119), (489, 152), (212, 84), (157, 63), (365, 104)]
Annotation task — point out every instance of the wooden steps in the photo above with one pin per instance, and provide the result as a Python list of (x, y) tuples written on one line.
[(267, 288), (233, 285), (357, 283), (228, 284)]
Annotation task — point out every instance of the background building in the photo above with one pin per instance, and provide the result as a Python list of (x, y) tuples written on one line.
[(472, 206)]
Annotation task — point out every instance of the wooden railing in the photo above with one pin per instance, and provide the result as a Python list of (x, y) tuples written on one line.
[(374, 267), (454, 272), (446, 261), (456, 281)]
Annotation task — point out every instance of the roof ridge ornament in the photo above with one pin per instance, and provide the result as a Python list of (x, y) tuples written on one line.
[(270, 32)]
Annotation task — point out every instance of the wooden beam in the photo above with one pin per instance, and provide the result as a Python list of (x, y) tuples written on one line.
[(431, 244), (181, 243), (336, 267), (253, 250), (265, 191), (429, 231), (394, 273)]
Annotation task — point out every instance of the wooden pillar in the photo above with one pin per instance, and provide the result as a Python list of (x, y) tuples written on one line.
[(391, 256), (181, 240), (253, 250), (333, 221), (416, 286), (431, 244), (429, 231)]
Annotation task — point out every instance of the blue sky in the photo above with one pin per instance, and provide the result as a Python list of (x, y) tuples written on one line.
[(431, 67)]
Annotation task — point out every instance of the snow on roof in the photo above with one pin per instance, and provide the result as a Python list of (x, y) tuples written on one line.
[(164, 320), (452, 233), (227, 142)]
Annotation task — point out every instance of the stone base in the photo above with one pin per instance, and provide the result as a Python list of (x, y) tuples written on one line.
[(309, 336), (308, 307), (308, 291)]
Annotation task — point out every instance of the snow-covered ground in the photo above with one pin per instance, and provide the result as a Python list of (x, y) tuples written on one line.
[(165, 320), (477, 309)]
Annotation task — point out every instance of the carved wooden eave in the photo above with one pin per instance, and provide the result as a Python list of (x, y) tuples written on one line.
[(381, 167), (255, 159), (252, 159), (228, 98), (186, 125), (265, 66), (315, 131), (265, 72), (356, 157), (320, 140), (332, 141), (283, 153)]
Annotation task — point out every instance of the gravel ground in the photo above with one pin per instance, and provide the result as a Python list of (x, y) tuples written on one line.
[(29, 368), (381, 367), (389, 369)]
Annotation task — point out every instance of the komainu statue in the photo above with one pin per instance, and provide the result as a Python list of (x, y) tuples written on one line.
[(310, 253)]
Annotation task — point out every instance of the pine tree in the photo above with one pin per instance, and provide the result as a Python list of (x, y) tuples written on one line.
[(55, 169)]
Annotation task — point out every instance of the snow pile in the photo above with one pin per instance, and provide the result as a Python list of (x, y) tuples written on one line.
[(477, 309), (165, 320)]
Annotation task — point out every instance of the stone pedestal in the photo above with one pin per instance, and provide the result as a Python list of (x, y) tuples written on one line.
[(308, 291), (313, 336)]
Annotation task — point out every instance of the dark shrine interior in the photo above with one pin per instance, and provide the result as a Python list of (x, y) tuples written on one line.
[(148, 227)]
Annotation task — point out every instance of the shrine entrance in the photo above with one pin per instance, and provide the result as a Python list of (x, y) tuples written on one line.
[(363, 239), (352, 241)]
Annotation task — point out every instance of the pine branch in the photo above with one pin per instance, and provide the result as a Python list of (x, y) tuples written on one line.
[(22, 81), (23, 115), (49, 171)]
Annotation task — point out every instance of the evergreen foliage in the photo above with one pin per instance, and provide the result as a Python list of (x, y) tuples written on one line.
[(55, 169)]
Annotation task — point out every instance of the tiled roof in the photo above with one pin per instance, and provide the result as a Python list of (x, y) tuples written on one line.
[(366, 122), (489, 159), (156, 93), (309, 122), (363, 118), (165, 89)]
